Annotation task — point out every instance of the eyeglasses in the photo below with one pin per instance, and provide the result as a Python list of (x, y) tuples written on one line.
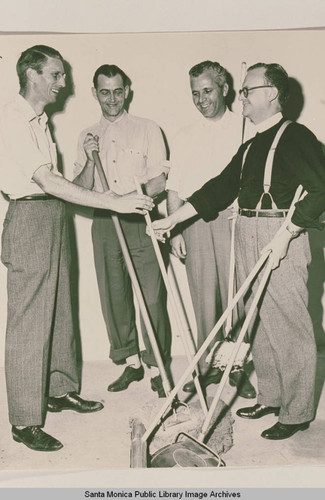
[(245, 90)]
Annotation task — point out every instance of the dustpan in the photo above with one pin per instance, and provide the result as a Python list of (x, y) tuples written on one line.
[(186, 451)]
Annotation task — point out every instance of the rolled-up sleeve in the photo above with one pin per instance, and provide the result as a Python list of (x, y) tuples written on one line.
[(81, 156), (176, 163), (156, 152)]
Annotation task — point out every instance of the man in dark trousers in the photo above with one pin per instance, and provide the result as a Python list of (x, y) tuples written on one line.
[(129, 146), (284, 350), (40, 363)]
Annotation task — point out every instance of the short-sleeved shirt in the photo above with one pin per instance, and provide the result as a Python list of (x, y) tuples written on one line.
[(201, 151), (25, 145), (128, 147)]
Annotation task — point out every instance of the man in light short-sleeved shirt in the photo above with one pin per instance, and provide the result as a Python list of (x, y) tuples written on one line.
[(129, 146)]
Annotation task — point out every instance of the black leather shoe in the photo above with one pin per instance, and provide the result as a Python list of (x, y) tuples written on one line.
[(156, 386), (72, 401), (36, 439), (283, 431), (257, 411), (239, 379), (129, 375), (213, 376)]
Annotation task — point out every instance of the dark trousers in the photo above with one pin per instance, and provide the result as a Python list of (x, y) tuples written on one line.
[(115, 287), (40, 346)]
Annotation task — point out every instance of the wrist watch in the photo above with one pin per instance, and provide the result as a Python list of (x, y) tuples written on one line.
[(293, 233)]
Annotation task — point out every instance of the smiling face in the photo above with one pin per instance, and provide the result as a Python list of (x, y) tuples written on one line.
[(48, 83), (111, 95), (208, 96), (257, 106)]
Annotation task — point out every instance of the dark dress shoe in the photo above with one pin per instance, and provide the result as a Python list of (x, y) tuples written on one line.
[(129, 375), (257, 411), (157, 386), (283, 431), (213, 376), (36, 439), (239, 379), (72, 401)]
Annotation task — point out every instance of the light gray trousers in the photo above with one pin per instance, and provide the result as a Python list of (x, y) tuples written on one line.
[(207, 268), (40, 347), (284, 349)]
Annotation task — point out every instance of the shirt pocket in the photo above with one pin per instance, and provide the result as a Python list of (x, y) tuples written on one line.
[(132, 162)]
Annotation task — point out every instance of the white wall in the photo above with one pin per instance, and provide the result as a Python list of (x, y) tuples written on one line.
[(158, 65)]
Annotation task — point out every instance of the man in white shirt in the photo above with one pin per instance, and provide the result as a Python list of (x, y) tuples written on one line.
[(199, 153), (41, 365), (129, 146)]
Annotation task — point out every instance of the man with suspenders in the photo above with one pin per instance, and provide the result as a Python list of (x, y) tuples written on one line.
[(284, 349)]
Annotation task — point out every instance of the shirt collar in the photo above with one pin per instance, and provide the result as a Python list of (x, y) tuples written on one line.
[(106, 123), (206, 122), (29, 112), (269, 122)]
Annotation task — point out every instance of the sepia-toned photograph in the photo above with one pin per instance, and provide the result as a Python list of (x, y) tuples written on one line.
[(162, 253)]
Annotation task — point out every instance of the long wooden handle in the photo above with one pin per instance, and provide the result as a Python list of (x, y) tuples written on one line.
[(134, 280), (187, 343), (206, 344), (235, 349), (248, 319), (242, 78)]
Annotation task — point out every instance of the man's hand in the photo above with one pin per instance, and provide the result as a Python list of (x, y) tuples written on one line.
[(162, 226), (278, 247), (90, 144), (178, 246), (129, 203)]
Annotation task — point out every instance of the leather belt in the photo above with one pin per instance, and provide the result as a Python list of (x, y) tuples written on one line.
[(40, 197), (262, 213)]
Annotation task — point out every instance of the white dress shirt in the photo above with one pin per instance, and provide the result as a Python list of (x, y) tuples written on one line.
[(201, 151)]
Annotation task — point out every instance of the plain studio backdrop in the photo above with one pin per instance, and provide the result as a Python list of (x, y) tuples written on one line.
[(158, 66)]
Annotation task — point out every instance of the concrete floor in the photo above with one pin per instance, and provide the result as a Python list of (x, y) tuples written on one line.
[(102, 440)]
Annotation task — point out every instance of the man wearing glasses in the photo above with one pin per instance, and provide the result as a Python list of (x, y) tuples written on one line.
[(204, 149), (284, 350)]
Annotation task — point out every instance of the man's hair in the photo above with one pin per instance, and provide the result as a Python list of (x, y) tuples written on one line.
[(277, 76), (35, 57), (111, 70), (221, 74)]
